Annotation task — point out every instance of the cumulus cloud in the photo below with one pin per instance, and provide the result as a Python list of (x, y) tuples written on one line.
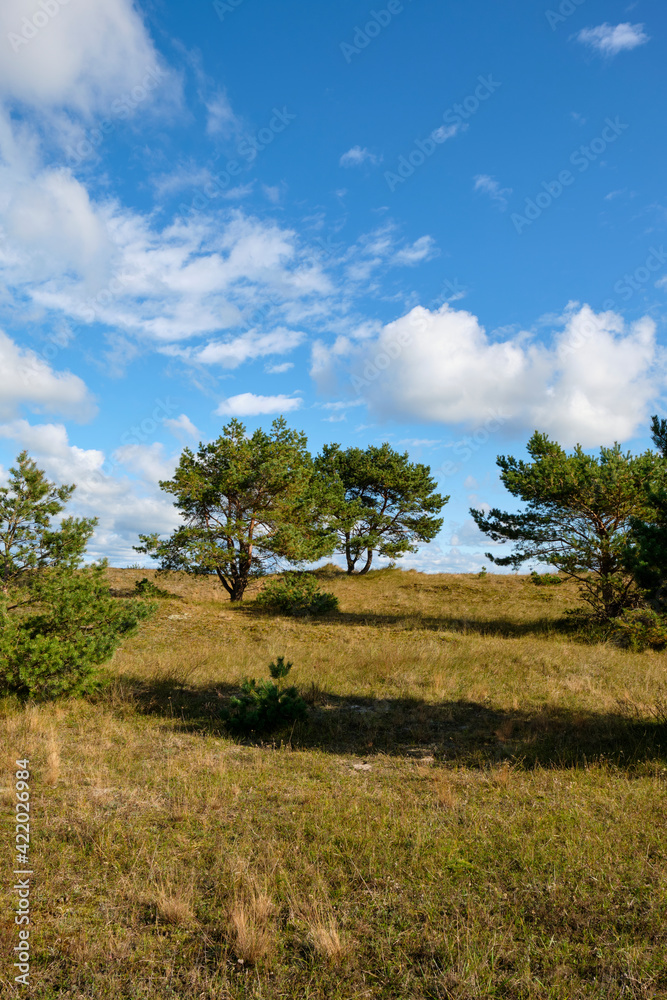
[(357, 156), (247, 404), (610, 40), (124, 508), (55, 231), (147, 461), (593, 383), (27, 380), (76, 56)]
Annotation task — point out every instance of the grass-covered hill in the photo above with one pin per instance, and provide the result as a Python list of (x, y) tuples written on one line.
[(475, 807)]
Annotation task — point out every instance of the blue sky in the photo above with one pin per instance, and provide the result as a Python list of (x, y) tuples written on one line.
[(441, 225)]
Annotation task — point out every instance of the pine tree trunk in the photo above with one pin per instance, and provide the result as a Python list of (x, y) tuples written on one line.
[(369, 560)]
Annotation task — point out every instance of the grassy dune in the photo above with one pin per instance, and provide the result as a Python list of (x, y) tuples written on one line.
[(475, 808)]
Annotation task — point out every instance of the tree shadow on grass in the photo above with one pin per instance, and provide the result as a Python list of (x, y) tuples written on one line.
[(464, 624), (464, 732)]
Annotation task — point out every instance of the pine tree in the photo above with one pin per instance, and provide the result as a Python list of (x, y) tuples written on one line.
[(379, 502)]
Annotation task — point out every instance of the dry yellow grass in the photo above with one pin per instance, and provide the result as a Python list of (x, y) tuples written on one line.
[(475, 808)]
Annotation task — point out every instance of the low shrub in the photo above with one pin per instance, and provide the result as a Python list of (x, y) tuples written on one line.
[(639, 629), (545, 579), (297, 594), (146, 588), (263, 705)]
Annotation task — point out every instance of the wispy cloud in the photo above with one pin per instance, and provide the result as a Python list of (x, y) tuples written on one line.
[(610, 40), (357, 156), (415, 253), (446, 132), (487, 185)]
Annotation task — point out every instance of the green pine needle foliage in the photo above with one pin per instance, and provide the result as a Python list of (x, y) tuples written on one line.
[(263, 706), (70, 625), (297, 594)]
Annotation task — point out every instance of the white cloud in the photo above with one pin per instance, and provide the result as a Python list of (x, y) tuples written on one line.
[(446, 132), (422, 249), (609, 39), (381, 249), (247, 404), (593, 384), (357, 156), (79, 56), (182, 428), (147, 461), (55, 230), (247, 347), (27, 380), (193, 277), (280, 369), (123, 507), (489, 186), (221, 118)]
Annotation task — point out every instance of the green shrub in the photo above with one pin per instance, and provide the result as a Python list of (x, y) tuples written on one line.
[(545, 579), (55, 633), (146, 588), (640, 629), (297, 594), (262, 705)]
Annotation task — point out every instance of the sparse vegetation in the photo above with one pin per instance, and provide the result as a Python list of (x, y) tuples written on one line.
[(474, 806)]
